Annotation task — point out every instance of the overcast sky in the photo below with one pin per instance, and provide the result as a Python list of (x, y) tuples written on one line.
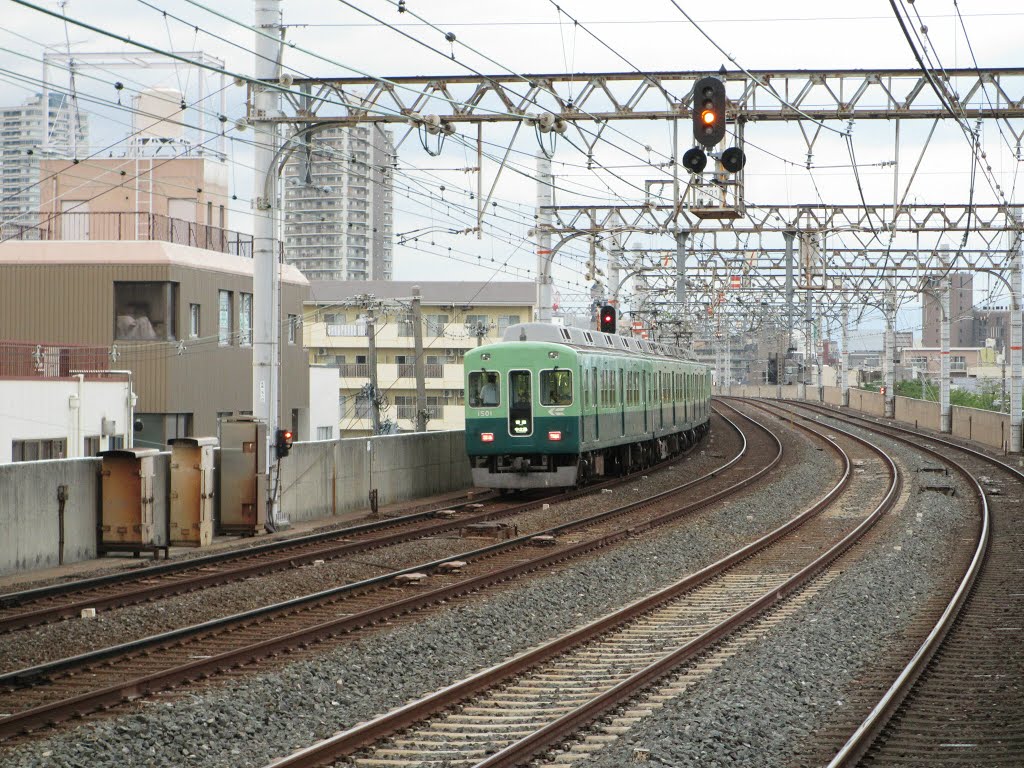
[(533, 36)]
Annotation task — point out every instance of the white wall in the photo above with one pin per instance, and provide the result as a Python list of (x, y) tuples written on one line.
[(324, 410), (50, 409)]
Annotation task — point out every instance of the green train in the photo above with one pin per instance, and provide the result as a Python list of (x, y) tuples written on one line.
[(552, 407)]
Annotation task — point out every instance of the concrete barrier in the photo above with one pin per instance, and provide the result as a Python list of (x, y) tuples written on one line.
[(833, 396), (318, 480), (323, 479), (919, 413), (986, 427)]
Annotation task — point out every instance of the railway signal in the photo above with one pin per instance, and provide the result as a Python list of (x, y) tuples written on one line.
[(608, 314), (709, 111), (283, 442)]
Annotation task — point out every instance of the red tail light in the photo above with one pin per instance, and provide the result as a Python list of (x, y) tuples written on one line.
[(487, 437), (554, 436)]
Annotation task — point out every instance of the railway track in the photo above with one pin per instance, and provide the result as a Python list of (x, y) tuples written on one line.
[(958, 701), (55, 691), (506, 715), (41, 605)]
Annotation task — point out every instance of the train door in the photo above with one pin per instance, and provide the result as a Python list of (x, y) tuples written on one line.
[(584, 402), (643, 396), (687, 394), (621, 394), (661, 401), (520, 404), (597, 402)]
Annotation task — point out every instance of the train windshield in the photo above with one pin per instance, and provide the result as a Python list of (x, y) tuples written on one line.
[(520, 409), (556, 387), (484, 389)]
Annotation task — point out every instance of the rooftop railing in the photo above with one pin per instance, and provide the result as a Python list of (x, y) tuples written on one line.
[(25, 360), (131, 225)]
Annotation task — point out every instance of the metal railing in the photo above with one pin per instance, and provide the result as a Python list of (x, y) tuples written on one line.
[(409, 411), (343, 329), (131, 225), (50, 361), (431, 371), (354, 370)]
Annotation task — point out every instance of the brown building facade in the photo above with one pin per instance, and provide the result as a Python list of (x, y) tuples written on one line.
[(179, 318)]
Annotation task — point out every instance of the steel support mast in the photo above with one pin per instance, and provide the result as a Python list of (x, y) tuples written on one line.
[(266, 267)]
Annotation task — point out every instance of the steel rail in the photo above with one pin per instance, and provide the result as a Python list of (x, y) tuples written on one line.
[(518, 753), (32, 675), (861, 740), (14, 599), (345, 743), (126, 690)]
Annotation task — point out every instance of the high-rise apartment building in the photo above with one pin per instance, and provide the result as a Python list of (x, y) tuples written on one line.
[(961, 315), (338, 205), (24, 141)]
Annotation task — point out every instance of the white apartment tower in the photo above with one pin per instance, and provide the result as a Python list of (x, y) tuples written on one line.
[(338, 205), (23, 143)]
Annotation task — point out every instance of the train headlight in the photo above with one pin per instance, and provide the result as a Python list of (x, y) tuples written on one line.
[(487, 437), (554, 436)]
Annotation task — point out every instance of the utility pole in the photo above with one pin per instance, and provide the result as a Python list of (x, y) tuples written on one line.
[(845, 367), (1015, 339), (945, 412), (889, 355), (266, 267), (371, 362), (420, 363), (545, 198)]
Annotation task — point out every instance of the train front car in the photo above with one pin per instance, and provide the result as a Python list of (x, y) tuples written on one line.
[(522, 415)]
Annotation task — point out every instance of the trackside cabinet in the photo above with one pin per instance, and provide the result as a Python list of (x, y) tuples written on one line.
[(126, 510), (243, 490), (191, 503)]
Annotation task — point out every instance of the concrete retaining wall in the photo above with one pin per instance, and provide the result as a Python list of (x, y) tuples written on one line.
[(872, 403), (333, 477), (987, 427), (318, 480), (833, 396), (920, 413)]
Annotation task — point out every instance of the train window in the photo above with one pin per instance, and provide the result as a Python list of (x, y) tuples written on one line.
[(520, 407), (484, 389), (556, 387)]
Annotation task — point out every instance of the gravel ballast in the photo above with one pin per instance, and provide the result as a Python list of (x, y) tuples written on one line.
[(257, 718), (764, 705)]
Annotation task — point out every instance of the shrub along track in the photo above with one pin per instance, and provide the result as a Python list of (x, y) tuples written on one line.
[(505, 715), (73, 687)]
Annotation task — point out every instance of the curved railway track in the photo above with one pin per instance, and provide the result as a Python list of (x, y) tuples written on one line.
[(53, 692), (506, 715), (959, 700)]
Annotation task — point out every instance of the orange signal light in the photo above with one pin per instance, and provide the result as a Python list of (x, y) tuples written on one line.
[(708, 116)]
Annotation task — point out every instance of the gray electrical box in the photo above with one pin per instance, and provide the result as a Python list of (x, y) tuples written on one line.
[(243, 485), (192, 481)]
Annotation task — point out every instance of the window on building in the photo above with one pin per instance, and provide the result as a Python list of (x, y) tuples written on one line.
[(245, 319), (504, 321), (193, 321), (38, 450), (224, 318), (478, 325), (325, 433), (293, 328), (436, 324), (91, 446), (145, 311)]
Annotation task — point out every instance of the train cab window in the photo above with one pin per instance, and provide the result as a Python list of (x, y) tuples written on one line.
[(556, 387), (484, 389)]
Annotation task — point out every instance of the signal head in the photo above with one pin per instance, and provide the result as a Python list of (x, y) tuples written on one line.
[(709, 111), (733, 159), (694, 160)]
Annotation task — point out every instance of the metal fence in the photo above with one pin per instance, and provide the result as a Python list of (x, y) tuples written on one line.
[(26, 360), (354, 370), (132, 225), (431, 371)]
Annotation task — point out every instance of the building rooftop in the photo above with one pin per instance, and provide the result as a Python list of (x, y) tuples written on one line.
[(131, 252), (433, 293)]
